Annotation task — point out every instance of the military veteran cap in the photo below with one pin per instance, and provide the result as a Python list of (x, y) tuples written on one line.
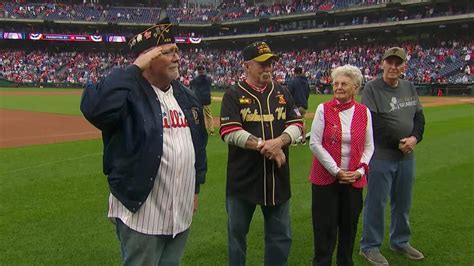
[(159, 34), (395, 51), (258, 51)]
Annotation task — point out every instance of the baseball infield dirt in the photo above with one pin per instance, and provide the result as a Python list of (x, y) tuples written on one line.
[(21, 128)]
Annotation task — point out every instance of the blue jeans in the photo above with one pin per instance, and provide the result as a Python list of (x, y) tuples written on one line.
[(277, 231), (394, 178), (142, 249)]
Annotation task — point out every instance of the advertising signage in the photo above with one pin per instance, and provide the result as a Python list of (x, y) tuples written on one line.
[(65, 37)]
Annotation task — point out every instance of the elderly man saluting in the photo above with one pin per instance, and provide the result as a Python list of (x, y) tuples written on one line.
[(154, 149)]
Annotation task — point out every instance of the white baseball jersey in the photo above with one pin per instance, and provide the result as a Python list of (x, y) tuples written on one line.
[(168, 210)]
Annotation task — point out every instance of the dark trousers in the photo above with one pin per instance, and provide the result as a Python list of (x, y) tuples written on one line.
[(277, 231), (336, 209)]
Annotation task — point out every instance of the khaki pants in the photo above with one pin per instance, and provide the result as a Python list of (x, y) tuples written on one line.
[(208, 119), (303, 114)]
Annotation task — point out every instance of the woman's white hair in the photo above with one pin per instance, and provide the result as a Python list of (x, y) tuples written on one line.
[(349, 71)]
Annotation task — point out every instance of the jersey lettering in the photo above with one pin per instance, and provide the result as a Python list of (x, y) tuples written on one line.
[(247, 116), (281, 113), (174, 119)]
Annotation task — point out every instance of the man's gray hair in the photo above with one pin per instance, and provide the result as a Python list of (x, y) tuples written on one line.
[(349, 71)]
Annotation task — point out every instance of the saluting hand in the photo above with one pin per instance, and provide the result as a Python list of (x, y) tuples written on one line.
[(144, 59)]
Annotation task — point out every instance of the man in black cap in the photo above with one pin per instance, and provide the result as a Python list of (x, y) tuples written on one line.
[(398, 125), (258, 121), (154, 149)]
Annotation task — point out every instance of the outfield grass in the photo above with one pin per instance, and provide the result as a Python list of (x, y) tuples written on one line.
[(54, 202)]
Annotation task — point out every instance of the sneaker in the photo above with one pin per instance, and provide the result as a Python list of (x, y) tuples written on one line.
[(374, 257), (409, 252)]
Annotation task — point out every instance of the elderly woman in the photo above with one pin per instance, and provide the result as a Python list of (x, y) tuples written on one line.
[(342, 145)]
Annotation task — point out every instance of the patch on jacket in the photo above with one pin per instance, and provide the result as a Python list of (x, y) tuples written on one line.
[(281, 99), (195, 112)]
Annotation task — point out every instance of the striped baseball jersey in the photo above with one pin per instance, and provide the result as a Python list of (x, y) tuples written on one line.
[(264, 114), (168, 210)]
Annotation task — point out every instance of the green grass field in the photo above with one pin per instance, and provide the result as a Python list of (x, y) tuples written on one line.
[(54, 198)]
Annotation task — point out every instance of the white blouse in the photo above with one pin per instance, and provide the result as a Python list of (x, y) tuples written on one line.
[(316, 145)]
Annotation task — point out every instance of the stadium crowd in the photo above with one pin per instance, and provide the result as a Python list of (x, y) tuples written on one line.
[(354, 19), (54, 67), (244, 10), (207, 14), (226, 11), (447, 62)]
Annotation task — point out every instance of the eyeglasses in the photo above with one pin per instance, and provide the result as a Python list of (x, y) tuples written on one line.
[(171, 52), (344, 85)]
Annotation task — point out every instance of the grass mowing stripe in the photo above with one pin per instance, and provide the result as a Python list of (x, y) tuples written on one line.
[(55, 215), (59, 104), (9, 172)]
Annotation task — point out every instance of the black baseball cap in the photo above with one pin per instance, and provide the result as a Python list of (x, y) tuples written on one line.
[(258, 51), (159, 34)]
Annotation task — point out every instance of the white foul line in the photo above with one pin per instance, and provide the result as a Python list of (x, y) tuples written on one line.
[(52, 136), (49, 163)]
